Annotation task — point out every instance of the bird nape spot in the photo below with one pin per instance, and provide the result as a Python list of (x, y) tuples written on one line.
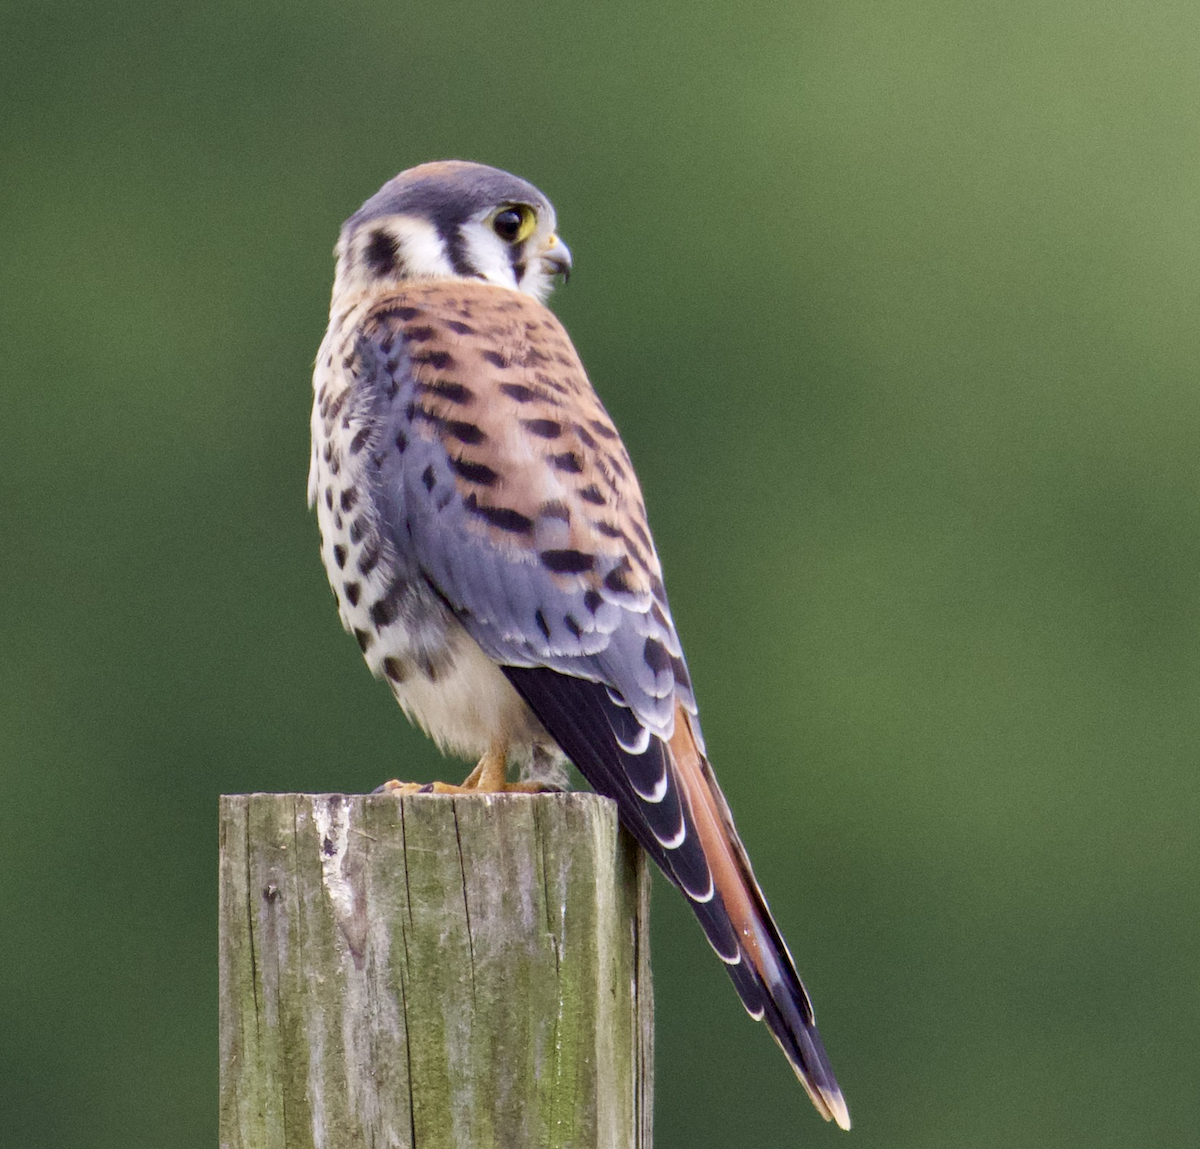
[(421, 333), (349, 498), (447, 389), (427, 478), (460, 328), (592, 495), (519, 392), (617, 579), (568, 462), (496, 360), (381, 253), (365, 638), (543, 428), (394, 669), (608, 530), (438, 360), (464, 432), (503, 517), (603, 429), (542, 624), (339, 555), (584, 437), (353, 591), (655, 655), (479, 473), (567, 561), (555, 509)]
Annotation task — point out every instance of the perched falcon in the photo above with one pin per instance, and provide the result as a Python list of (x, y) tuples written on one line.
[(485, 536)]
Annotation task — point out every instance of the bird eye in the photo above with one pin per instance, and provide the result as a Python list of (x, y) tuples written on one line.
[(514, 224)]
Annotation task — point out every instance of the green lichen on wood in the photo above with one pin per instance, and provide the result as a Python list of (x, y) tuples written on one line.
[(433, 972)]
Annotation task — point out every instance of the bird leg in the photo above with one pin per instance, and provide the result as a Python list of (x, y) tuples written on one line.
[(490, 776)]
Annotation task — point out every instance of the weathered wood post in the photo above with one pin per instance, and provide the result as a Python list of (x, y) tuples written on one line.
[(432, 972)]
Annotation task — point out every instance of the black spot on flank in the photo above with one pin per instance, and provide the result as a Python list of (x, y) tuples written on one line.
[(394, 669), (329, 497), (464, 432), (609, 530), (479, 473), (655, 656), (328, 848), (584, 437), (543, 428), (503, 517), (427, 667), (555, 509), (496, 359), (365, 638), (574, 627), (369, 559), (335, 465), (327, 453), (353, 591), (360, 440), (427, 478), (438, 360), (568, 461), (420, 334), (339, 555), (335, 408), (384, 612), (358, 529), (592, 495), (567, 561), (401, 441), (446, 389), (593, 600), (460, 328), (519, 392), (381, 253), (542, 624), (349, 498)]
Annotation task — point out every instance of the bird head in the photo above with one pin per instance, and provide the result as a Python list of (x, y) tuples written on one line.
[(453, 220)]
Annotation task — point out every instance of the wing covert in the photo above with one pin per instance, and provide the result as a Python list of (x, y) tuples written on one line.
[(498, 470)]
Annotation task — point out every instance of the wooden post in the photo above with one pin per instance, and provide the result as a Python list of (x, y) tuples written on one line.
[(433, 972)]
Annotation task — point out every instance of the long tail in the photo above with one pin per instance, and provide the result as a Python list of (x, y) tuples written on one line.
[(762, 970), (668, 797)]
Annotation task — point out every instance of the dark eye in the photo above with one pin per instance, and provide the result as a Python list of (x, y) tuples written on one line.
[(514, 224)]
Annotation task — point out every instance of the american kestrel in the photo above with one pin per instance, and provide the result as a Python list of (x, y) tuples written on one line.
[(485, 537)]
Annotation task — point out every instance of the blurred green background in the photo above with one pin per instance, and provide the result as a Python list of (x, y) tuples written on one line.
[(896, 305)]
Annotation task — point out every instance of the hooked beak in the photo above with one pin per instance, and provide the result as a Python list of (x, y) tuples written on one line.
[(557, 258)]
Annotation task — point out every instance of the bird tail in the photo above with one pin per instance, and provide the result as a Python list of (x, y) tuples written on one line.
[(762, 969)]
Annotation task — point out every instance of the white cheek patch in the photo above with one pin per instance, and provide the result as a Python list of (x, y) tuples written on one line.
[(421, 250), (487, 254)]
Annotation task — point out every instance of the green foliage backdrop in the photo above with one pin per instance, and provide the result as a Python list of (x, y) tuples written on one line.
[(896, 306)]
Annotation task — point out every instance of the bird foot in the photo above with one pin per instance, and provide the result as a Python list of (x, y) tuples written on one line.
[(468, 788)]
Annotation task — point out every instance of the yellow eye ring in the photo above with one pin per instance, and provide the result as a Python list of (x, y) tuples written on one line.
[(514, 223)]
